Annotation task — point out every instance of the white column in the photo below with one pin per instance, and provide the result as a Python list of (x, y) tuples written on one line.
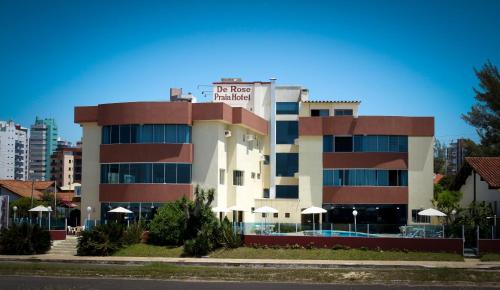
[(272, 140)]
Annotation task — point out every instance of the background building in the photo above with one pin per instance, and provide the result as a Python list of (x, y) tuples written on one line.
[(455, 154), (43, 142), (257, 144), (14, 148), (66, 166)]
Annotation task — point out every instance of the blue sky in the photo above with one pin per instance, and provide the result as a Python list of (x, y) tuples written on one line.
[(398, 57)]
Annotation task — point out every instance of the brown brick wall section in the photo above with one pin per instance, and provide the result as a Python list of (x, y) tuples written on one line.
[(365, 194), (427, 245), (144, 113), (85, 114), (143, 192), (366, 125), (248, 119), (146, 153), (489, 246), (383, 160)]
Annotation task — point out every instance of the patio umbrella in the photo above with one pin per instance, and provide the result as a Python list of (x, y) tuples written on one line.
[(121, 210), (40, 209), (265, 210), (220, 209), (313, 210), (237, 208), (431, 212)]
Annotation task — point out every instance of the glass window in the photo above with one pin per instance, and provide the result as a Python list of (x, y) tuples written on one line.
[(328, 143), (183, 134), (265, 193), (147, 134), (266, 159), (183, 173), (403, 178), (135, 133), (403, 143), (320, 113), (371, 177), (170, 173), (114, 173), (115, 134), (290, 108), (286, 132), (338, 177), (287, 164), (287, 191), (134, 173), (170, 133), (124, 134), (370, 144), (238, 177), (124, 173), (360, 177), (106, 138), (343, 144), (146, 173), (393, 143), (358, 143), (222, 173), (328, 177), (104, 173), (383, 143), (343, 112), (382, 177), (159, 173), (159, 133)]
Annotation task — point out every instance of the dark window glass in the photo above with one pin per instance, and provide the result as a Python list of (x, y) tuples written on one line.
[(403, 143), (370, 144), (183, 173), (287, 191), (286, 132), (328, 143), (159, 133), (358, 143), (287, 164), (291, 108), (125, 134), (403, 178), (135, 133), (124, 173), (338, 177), (382, 177), (328, 177), (371, 177), (383, 143), (104, 173), (147, 134), (393, 143), (147, 173), (266, 159), (320, 113), (238, 177), (170, 133), (170, 173), (393, 178), (159, 173), (135, 170), (265, 193), (343, 112), (115, 134), (183, 134), (343, 144), (106, 135), (114, 173), (360, 177)]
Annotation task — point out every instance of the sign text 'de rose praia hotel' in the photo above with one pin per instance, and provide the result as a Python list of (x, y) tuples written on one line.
[(257, 144)]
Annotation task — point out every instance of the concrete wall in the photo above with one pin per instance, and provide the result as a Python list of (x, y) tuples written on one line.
[(91, 170), (420, 173), (305, 108), (483, 193), (311, 171)]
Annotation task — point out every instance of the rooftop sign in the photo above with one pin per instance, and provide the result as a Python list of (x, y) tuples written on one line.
[(234, 94)]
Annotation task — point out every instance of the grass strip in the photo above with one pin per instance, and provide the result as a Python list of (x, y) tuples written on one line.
[(165, 271), (490, 257)]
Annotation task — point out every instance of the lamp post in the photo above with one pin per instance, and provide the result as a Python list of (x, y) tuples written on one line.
[(89, 209), (14, 208), (355, 213), (50, 210)]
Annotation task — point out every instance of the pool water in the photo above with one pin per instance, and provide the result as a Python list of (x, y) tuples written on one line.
[(330, 233)]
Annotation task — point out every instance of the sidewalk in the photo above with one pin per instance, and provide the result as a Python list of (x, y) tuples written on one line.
[(254, 263)]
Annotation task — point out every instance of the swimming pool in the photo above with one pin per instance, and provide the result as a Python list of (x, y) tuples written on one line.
[(330, 233)]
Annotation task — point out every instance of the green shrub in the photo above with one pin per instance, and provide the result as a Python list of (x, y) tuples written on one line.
[(133, 234), (24, 239), (229, 238), (168, 226), (202, 244), (102, 240)]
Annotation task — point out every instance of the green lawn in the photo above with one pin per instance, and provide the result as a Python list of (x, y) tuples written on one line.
[(329, 254), (144, 250), (490, 257)]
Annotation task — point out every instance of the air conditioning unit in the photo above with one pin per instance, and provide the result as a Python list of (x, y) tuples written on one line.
[(227, 133), (249, 137)]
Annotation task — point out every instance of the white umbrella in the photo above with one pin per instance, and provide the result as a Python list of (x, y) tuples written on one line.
[(220, 209), (40, 209), (313, 210), (237, 208), (431, 212), (120, 210), (265, 210)]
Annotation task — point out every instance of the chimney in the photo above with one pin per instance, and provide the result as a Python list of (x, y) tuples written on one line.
[(175, 93)]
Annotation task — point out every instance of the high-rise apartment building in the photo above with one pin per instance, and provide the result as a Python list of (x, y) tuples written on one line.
[(13, 151), (455, 154), (43, 142), (66, 165)]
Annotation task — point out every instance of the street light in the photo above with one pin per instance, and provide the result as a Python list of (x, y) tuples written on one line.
[(355, 213), (14, 208), (89, 209), (50, 209)]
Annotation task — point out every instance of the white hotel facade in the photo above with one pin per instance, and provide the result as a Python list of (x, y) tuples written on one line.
[(257, 144)]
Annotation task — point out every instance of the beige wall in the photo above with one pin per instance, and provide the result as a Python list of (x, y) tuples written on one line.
[(91, 170), (420, 173), (305, 108), (483, 193), (310, 171), (283, 205)]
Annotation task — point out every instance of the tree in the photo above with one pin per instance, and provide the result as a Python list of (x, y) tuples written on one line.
[(24, 205), (446, 201), (168, 226), (439, 157), (485, 114)]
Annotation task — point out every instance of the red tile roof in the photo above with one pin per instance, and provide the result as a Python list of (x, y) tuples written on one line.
[(437, 178), (488, 168), (23, 188)]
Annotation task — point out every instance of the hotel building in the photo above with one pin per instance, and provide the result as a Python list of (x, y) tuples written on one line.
[(257, 144)]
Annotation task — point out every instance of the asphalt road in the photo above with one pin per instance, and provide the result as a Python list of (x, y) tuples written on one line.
[(27, 282)]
